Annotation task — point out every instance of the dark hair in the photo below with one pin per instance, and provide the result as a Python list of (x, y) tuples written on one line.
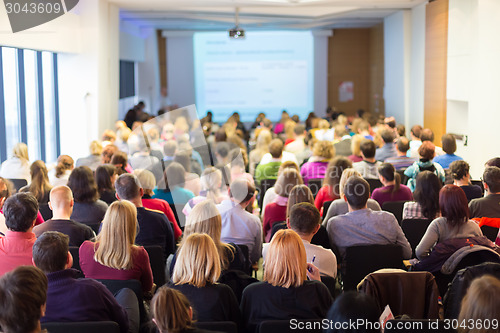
[(403, 144), (81, 182), (222, 148), (128, 187), (454, 205), (183, 159), (103, 175), (426, 193), (20, 210), (50, 251), (401, 129), (174, 175), (427, 150), (304, 218), (220, 135), (108, 152), (276, 148), (349, 307), (491, 176), (9, 188), (495, 161), (449, 143), (387, 135), (241, 190), (119, 158), (388, 171), (368, 148), (333, 173), (416, 130), (459, 169), (357, 192), (23, 292), (427, 135)]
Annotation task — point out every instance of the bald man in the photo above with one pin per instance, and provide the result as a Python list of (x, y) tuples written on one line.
[(61, 202)]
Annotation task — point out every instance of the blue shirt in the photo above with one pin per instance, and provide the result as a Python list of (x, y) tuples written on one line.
[(446, 159), (177, 195)]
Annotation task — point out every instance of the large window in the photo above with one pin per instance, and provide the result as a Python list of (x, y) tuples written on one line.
[(28, 103)]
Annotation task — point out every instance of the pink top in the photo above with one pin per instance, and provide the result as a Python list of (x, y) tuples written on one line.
[(16, 250), (164, 207), (274, 212), (141, 268), (323, 196)]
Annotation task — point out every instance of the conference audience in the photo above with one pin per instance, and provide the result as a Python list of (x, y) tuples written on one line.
[(330, 189), (154, 227), (105, 176), (18, 165), (88, 209), (61, 172), (459, 171), (285, 291), (261, 148), (61, 203), (196, 272), (426, 196), (211, 188), (268, 167), (356, 148), (20, 211), (270, 194), (349, 308), (368, 167), (449, 147), (425, 163), (315, 167), (174, 182), (24, 294), (94, 159), (342, 141), (453, 223), (489, 206), (388, 150), (401, 161), (392, 190), (113, 255), (40, 186), (73, 300), (363, 226)]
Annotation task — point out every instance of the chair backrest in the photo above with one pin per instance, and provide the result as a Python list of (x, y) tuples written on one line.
[(218, 326), (276, 227), (490, 232), (314, 185), (326, 206), (83, 327), (478, 183), (178, 214), (157, 262), (321, 238), (45, 210), (18, 183), (374, 183), (330, 283), (414, 230), (288, 326), (95, 227), (246, 254), (404, 178), (264, 185), (74, 250), (365, 259), (114, 286), (394, 207), (418, 325)]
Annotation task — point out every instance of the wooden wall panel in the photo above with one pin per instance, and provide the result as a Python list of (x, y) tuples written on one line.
[(162, 58), (436, 52), (357, 55)]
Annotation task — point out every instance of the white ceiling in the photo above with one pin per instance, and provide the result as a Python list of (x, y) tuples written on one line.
[(258, 14)]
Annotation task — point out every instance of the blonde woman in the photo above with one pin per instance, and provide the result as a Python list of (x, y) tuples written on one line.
[(261, 148), (39, 186), (355, 147), (205, 219), (339, 206), (286, 291), (211, 185), (315, 167), (113, 255), (195, 275), (18, 165)]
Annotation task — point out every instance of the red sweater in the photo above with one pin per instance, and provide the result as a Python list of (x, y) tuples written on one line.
[(164, 207), (273, 213), (323, 196)]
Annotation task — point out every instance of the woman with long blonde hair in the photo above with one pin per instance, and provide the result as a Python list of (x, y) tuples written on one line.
[(211, 189), (196, 273), (113, 255), (261, 148), (286, 291), (18, 165)]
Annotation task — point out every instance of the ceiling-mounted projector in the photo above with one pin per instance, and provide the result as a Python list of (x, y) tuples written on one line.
[(236, 33)]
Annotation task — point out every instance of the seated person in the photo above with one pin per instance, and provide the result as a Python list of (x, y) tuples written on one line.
[(340, 206), (401, 161), (425, 163), (449, 147), (426, 196), (268, 167), (173, 190), (20, 211), (461, 177), (285, 292), (304, 219), (239, 226), (453, 223), (363, 226), (392, 190), (195, 275), (23, 292), (388, 150), (330, 189), (113, 255), (61, 202), (368, 167), (489, 206), (315, 167), (70, 299)]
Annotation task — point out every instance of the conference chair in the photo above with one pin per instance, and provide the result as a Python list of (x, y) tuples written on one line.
[(394, 207), (374, 183), (490, 232), (18, 183), (96, 227), (314, 185), (404, 178), (45, 210), (264, 185), (326, 206), (218, 326), (478, 183), (82, 327), (157, 262), (114, 286), (365, 259), (414, 230), (74, 250)]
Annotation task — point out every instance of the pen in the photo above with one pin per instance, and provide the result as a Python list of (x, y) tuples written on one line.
[(312, 262)]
